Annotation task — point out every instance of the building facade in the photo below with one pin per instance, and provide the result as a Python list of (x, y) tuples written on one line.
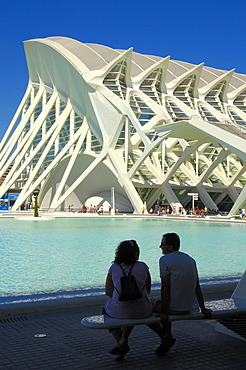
[(154, 129)]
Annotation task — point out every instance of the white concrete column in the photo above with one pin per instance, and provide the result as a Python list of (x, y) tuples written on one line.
[(228, 166), (197, 164), (127, 138), (163, 155), (205, 197), (71, 129), (57, 111)]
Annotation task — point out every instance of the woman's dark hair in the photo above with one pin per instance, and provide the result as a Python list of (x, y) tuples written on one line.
[(127, 252)]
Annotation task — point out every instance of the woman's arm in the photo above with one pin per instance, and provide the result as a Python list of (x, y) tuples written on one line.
[(109, 286), (148, 283)]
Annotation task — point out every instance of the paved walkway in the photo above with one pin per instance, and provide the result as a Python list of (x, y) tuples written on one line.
[(67, 345), (47, 215)]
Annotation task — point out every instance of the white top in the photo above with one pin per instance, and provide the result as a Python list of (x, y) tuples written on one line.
[(183, 277), (137, 308)]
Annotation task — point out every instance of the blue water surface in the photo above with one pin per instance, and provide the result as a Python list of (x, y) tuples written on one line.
[(76, 253)]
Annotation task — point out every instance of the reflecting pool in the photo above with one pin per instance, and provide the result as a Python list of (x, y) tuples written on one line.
[(76, 253)]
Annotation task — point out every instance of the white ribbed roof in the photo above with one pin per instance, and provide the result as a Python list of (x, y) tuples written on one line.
[(95, 56)]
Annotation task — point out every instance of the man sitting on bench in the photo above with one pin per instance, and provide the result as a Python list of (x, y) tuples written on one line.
[(179, 287)]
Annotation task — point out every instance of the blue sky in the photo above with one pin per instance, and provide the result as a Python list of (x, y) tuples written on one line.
[(211, 31)]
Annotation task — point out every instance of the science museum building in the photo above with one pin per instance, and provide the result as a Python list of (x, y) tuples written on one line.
[(155, 130)]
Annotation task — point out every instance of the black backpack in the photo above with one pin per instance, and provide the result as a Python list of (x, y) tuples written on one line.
[(128, 286)]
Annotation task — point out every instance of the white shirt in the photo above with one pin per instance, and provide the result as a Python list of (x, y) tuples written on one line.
[(183, 277)]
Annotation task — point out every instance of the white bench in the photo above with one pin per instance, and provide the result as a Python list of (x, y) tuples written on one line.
[(229, 312)]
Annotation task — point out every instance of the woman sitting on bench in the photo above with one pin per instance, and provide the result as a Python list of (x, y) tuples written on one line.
[(126, 263)]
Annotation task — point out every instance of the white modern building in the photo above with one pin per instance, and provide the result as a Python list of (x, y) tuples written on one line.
[(154, 129)]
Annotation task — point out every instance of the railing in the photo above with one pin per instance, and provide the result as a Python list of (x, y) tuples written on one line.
[(230, 127), (6, 174)]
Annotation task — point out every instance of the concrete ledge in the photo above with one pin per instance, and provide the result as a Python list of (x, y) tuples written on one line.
[(51, 301), (59, 214), (219, 284), (32, 218), (64, 300)]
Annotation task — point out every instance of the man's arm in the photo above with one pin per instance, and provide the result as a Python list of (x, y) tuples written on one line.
[(206, 311), (165, 296)]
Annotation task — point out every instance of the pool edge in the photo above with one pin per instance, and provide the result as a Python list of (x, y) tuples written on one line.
[(70, 300)]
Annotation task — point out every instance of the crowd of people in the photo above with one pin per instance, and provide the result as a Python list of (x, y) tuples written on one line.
[(99, 209), (91, 209), (179, 288), (181, 211), (159, 210)]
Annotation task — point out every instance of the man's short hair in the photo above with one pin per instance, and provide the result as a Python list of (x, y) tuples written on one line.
[(173, 240)]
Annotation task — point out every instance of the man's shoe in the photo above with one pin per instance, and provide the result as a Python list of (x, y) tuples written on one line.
[(165, 346)]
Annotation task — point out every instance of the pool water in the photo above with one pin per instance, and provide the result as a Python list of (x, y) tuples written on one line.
[(76, 253)]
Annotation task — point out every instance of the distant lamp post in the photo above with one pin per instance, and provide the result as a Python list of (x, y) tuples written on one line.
[(112, 202), (35, 196), (194, 197)]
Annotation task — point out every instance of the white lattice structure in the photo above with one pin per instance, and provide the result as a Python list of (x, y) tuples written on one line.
[(93, 118)]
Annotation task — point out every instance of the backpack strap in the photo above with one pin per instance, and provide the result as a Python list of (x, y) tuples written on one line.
[(129, 274), (130, 271), (124, 274)]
